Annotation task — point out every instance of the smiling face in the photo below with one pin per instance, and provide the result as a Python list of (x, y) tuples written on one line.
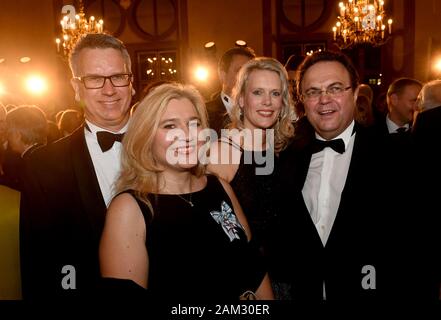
[(262, 100), (175, 144), (109, 106), (329, 115)]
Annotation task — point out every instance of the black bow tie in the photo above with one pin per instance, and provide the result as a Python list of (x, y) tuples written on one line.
[(338, 145), (401, 130), (107, 139)]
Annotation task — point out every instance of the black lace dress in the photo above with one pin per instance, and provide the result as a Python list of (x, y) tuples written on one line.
[(199, 252), (256, 185)]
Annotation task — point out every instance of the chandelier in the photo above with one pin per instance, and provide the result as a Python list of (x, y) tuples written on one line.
[(74, 26), (361, 22)]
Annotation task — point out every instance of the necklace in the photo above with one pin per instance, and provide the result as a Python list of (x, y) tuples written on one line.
[(188, 201)]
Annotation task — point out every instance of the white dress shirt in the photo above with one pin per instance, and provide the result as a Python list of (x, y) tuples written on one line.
[(227, 101), (107, 164), (392, 126), (324, 184), (325, 181)]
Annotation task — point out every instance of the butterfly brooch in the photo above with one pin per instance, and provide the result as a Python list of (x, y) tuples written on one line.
[(228, 220)]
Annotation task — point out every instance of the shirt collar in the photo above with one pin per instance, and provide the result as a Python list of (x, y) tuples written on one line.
[(345, 135), (392, 126), (227, 101), (94, 128)]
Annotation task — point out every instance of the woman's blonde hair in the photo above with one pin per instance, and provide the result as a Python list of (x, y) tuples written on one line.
[(139, 168), (283, 128)]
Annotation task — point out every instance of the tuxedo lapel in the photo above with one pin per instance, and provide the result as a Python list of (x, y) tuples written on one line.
[(217, 114), (358, 164), (88, 186), (304, 158)]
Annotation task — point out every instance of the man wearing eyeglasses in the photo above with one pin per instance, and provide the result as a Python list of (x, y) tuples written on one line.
[(70, 183), (344, 232)]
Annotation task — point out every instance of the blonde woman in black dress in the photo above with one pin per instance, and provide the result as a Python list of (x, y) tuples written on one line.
[(247, 155), (172, 229)]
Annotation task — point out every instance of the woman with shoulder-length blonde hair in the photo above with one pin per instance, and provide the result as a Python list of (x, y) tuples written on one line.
[(243, 112), (247, 155), (172, 229)]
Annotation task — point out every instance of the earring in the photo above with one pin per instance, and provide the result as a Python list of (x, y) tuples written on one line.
[(241, 114)]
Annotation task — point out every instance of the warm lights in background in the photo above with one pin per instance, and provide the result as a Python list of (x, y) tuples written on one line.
[(201, 73), (74, 26), (25, 59), (241, 43), (210, 45), (20, 82), (36, 84), (2, 89), (361, 22), (437, 65)]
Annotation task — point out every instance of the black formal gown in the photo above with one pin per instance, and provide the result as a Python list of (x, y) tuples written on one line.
[(200, 252)]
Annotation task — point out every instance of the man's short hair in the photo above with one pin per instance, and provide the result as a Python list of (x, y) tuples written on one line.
[(294, 62), (227, 57), (97, 41), (327, 56), (398, 85), (30, 122), (431, 95)]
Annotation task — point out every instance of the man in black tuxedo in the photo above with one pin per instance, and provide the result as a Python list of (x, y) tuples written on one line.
[(402, 96), (228, 68), (343, 232), (69, 183)]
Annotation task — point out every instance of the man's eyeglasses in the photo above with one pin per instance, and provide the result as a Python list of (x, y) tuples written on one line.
[(97, 82), (333, 91)]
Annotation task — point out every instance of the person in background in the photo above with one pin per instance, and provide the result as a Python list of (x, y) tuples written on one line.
[(364, 113), (428, 98), (247, 158), (53, 132), (26, 130), (366, 90), (219, 108), (70, 120), (172, 229), (69, 183), (291, 66), (401, 103)]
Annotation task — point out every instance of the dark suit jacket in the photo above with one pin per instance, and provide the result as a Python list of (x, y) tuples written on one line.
[(61, 219), (426, 136), (370, 229), (217, 114), (427, 128), (14, 167)]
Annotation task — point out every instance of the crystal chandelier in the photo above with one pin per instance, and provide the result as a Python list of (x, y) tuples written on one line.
[(74, 26), (361, 22)]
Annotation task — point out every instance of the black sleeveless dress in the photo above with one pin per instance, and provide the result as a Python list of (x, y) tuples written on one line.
[(256, 192), (200, 252)]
